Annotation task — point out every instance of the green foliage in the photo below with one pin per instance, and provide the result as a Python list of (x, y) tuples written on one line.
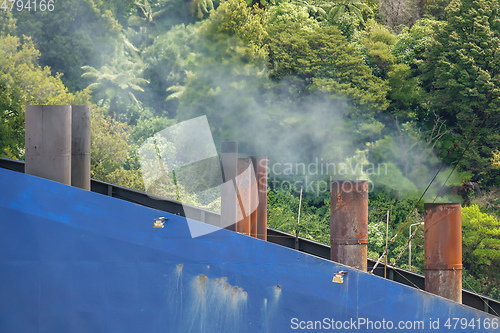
[(24, 82), (342, 13), (347, 24), (110, 149), (481, 250), (482, 284), (74, 34), (388, 56), (375, 43), (119, 9), (131, 178), (434, 9), (166, 63), (324, 61), (147, 127), (400, 210), (481, 238), (118, 82), (336, 9), (201, 8), (146, 15), (113, 159), (234, 19), (411, 163), (489, 201), (283, 208), (7, 24), (406, 92), (461, 76), (494, 167), (291, 13), (412, 42), (495, 160), (313, 7)]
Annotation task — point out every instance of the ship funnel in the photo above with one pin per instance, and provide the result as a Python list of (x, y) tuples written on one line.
[(443, 250), (48, 142), (260, 165), (57, 143), (349, 223), (243, 192)]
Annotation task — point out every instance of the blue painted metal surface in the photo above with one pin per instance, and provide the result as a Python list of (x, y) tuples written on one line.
[(76, 261)]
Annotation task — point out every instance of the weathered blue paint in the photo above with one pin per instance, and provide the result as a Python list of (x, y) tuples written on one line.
[(76, 261)]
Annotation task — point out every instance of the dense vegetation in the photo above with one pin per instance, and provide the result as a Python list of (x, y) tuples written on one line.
[(390, 91)]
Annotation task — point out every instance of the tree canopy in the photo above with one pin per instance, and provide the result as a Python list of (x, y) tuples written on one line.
[(461, 74), (24, 82)]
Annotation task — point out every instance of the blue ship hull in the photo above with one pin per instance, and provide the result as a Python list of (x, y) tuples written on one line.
[(77, 261)]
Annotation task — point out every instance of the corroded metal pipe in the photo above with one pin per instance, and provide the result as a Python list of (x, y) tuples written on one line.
[(260, 165), (48, 142), (349, 223), (443, 250), (244, 185), (254, 197), (229, 160)]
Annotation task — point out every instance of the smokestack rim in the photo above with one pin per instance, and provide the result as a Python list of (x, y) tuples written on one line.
[(229, 147)]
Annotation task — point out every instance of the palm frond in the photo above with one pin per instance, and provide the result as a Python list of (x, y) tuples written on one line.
[(176, 90)]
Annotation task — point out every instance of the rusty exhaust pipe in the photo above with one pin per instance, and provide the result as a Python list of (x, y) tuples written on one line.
[(247, 204), (349, 223), (254, 197), (244, 196), (260, 165), (443, 250), (229, 202)]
